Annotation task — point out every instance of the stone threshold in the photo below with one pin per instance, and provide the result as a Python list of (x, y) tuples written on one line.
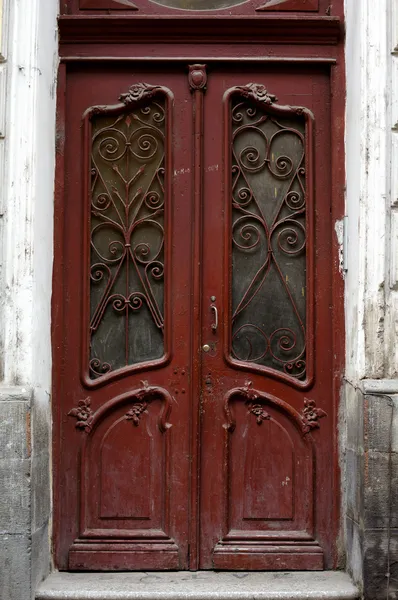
[(200, 585)]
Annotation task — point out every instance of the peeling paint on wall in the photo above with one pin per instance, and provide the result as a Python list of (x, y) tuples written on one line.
[(339, 229)]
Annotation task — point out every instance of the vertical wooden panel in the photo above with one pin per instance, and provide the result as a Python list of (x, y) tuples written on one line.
[(268, 472)]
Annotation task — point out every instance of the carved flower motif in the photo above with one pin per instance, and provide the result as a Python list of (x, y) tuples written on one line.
[(259, 412), (134, 414), (138, 91), (310, 415), (258, 92), (83, 414)]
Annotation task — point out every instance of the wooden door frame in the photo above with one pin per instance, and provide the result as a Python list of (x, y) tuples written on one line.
[(259, 39)]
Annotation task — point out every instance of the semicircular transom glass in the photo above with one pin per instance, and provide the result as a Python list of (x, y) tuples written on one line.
[(199, 4)]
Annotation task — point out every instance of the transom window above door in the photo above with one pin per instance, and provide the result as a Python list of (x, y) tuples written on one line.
[(240, 6)]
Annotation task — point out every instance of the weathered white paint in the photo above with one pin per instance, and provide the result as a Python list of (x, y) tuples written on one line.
[(4, 30), (355, 280), (339, 230), (26, 248), (28, 189), (368, 187), (391, 337), (4, 27)]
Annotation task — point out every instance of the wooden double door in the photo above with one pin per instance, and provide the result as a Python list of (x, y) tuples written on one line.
[(193, 375)]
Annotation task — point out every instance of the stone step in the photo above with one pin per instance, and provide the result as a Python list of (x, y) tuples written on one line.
[(200, 585)]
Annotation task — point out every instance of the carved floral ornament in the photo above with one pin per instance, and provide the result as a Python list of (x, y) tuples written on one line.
[(137, 92), (139, 406), (257, 92), (259, 412), (83, 413), (309, 416), (139, 401)]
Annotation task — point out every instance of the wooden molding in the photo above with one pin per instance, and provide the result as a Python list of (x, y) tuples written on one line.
[(107, 5), (104, 29), (290, 5)]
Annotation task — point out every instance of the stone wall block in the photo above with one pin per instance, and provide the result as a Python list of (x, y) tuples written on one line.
[(41, 421), (354, 485), (394, 491), (378, 417), (41, 500), (15, 567), (14, 430), (393, 560), (15, 496), (375, 567), (376, 490), (41, 558), (394, 428), (354, 416), (354, 549)]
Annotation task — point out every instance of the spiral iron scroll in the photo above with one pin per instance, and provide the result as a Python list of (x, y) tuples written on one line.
[(127, 237), (269, 238)]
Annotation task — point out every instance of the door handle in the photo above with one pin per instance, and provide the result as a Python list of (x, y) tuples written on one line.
[(213, 308)]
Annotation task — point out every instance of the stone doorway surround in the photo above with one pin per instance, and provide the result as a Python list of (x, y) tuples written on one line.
[(369, 251)]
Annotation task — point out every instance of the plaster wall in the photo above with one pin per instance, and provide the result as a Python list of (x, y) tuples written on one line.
[(27, 153), (369, 416)]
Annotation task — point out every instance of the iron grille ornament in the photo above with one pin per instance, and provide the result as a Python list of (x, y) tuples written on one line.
[(269, 233), (127, 232)]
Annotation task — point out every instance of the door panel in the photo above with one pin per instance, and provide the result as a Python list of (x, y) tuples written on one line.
[(125, 397), (274, 456), (196, 407)]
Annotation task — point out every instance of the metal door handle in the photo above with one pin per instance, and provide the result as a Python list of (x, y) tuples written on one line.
[(215, 324)]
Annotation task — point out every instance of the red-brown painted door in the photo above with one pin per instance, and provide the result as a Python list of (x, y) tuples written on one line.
[(193, 339), (124, 380), (267, 416)]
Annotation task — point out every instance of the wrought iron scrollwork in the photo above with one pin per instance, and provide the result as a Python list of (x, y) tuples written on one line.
[(269, 233), (127, 231)]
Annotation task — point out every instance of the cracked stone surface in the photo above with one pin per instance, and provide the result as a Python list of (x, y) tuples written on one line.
[(202, 585)]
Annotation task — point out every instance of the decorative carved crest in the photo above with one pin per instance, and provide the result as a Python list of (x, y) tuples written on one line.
[(197, 77), (83, 414), (258, 92), (137, 92), (310, 415)]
